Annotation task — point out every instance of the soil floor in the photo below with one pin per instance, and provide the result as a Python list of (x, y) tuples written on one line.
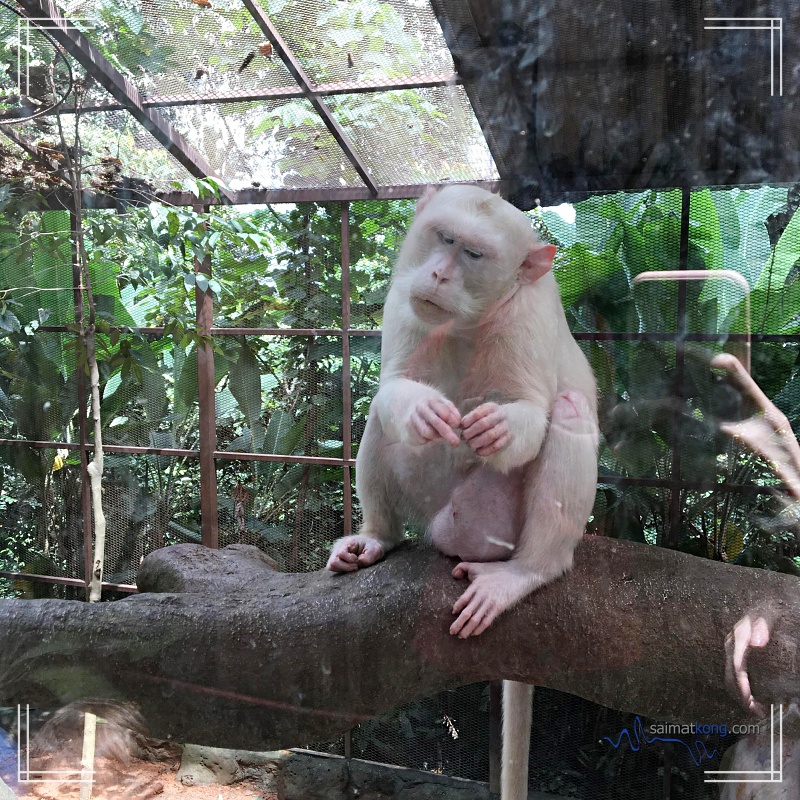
[(142, 780)]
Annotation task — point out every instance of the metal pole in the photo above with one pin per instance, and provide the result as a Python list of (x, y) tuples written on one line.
[(673, 531), (495, 734), (347, 405), (209, 522)]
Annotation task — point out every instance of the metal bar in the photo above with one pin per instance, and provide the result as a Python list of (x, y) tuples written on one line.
[(96, 64), (673, 532), (245, 331), (207, 423), (348, 744), (690, 486), (347, 404), (83, 425), (230, 455), (331, 194), (225, 455), (117, 587), (310, 91), (584, 336), (20, 141), (495, 734), (256, 95)]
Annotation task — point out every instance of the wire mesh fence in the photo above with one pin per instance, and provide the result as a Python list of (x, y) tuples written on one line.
[(297, 356)]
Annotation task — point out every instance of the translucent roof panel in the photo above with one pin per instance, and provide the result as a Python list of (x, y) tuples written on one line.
[(416, 135), (227, 84), (183, 48), (362, 41), (271, 143)]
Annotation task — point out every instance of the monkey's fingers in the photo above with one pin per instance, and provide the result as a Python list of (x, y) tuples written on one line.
[(370, 553), (448, 412), (480, 419), (746, 633), (485, 429), (476, 613), (433, 426), (340, 562)]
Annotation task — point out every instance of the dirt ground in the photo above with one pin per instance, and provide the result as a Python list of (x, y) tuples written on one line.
[(141, 780)]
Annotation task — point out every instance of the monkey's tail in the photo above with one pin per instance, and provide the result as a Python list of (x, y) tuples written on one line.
[(517, 707)]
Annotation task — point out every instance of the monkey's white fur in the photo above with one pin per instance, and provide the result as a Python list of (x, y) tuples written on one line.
[(484, 428)]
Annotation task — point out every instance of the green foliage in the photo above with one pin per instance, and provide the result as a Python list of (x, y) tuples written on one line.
[(613, 239), (280, 267)]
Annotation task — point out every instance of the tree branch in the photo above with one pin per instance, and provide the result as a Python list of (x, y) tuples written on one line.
[(226, 651)]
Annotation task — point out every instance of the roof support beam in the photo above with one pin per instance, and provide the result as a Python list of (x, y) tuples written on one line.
[(96, 64), (268, 93), (309, 91)]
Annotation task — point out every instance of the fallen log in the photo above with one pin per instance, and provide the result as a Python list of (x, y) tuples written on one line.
[(223, 650)]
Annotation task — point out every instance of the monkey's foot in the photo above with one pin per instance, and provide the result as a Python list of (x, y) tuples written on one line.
[(352, 552), (495, 586)]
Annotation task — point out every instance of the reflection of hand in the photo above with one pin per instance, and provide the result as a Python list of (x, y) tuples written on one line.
[(749, 631), (767, 433)]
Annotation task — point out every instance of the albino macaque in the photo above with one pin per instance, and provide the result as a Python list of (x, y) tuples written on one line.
[(484, 428)]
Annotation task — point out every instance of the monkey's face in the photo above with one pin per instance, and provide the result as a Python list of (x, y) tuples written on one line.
[(462, 255), (455, 276)]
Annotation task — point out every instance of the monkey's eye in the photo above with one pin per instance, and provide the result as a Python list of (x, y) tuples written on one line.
[(474, 254), (444, 238)]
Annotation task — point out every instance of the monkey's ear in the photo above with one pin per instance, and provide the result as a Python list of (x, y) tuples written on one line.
[(538, 262), (429, 193)]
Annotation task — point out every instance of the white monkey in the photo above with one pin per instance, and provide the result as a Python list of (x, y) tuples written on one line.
[(484, 428)]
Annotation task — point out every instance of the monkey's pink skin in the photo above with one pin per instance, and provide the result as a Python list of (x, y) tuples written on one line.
[(352, 552)]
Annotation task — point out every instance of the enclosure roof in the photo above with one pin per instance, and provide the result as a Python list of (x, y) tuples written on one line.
[(280, 99), (336, 99)]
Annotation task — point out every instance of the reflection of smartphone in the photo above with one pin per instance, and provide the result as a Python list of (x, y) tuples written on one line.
[(707, 313), (713, 306)]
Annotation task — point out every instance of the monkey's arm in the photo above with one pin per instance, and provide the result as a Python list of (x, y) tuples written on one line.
[(415, 413), (507, 435)]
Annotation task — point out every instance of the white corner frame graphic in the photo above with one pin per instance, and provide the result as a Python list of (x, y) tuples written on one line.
[(772, 24), (24, 25), (772, 775), (24, 771)]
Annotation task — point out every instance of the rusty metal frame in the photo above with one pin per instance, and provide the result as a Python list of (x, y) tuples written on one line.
[(277, 93), (96, 64)]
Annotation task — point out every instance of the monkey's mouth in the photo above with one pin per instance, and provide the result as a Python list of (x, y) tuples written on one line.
[(428, 310)]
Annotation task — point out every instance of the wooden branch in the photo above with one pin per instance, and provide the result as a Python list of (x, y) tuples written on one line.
[(228, 652)]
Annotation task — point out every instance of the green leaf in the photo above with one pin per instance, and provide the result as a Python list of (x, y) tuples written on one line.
[(245, 385), (563, 231)]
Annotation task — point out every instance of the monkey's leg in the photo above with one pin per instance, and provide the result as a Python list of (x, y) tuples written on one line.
[(559, 494), (381, 528), (517, 711), (395, 482)]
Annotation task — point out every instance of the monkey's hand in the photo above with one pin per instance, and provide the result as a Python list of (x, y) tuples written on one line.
[(485, 429), (352, 552), (495, 586), (433, 418)]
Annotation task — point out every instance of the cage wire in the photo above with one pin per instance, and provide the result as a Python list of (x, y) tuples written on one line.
[(221, 83), (643, 336)]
